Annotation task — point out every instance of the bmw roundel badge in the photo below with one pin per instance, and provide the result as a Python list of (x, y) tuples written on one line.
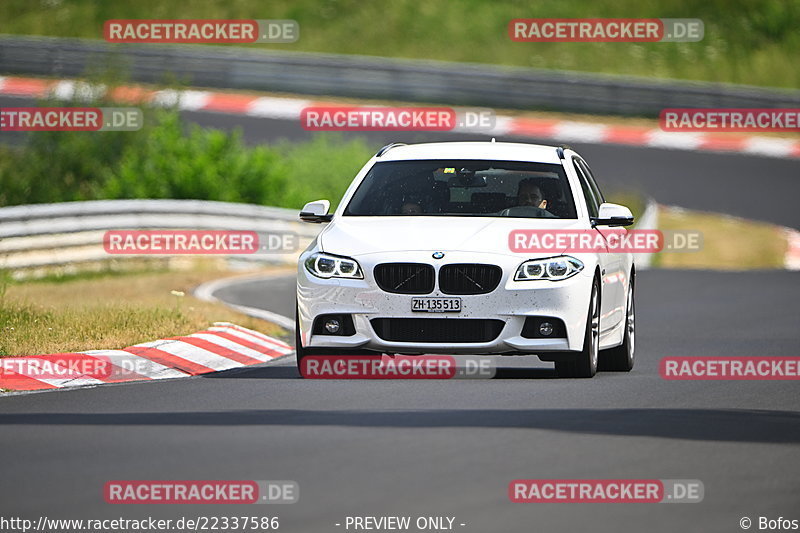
[(438, 255)]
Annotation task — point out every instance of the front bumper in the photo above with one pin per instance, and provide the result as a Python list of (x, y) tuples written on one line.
[(511, 302)]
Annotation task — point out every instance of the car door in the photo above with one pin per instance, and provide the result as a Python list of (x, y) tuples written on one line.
[(610, 263)]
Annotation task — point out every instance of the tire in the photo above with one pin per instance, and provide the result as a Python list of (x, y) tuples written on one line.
[(621, 358), (300, 352), (583, 364)]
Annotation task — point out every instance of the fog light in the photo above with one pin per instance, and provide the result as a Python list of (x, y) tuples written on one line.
[(545, 328), (332, 326)]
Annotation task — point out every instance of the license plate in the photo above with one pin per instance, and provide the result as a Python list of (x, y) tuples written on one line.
[(436, 305)]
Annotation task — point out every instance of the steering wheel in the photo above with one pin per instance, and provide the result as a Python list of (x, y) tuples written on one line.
[(527, 211)]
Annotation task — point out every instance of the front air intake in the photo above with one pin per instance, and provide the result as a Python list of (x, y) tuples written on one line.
[(469, 278), (405, 278), (437, 330)]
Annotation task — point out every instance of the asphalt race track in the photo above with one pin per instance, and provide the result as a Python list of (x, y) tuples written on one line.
[(450, 448)]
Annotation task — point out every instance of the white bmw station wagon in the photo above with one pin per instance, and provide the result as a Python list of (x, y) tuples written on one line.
[(417, 259)]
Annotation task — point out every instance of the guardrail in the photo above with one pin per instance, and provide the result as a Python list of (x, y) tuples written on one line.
[(50, 235), (382, 78)]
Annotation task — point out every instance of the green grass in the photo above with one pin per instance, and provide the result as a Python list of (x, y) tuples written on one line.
[(106, 271), (168, 159), (637, 203), (756, 245), (45, 317), (746, 41)]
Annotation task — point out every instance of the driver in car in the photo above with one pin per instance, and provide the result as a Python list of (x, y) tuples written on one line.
[(530, 194), (530, 202)]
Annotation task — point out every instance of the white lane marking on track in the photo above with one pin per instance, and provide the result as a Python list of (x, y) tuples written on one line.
[(186, 100), (72, 379), (194, 354), (271, 344), (672, 139), (225, 343), (63, 90), (502, 125), (258, 334), (80, 90), (138, 364), (71, 382), (281, 108), (769, 146), (279, 344), (792, 259), (580, 131)]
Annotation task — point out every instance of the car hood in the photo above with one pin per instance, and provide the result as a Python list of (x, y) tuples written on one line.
[(354, 236)]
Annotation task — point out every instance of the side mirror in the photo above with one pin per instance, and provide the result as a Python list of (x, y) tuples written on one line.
[(316, 211), (613, 215)]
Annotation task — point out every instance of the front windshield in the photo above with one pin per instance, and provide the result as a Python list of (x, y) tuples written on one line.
[(464, 188)]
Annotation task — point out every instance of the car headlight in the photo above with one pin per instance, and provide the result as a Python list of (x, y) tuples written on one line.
[(552, 268), (331, 266)]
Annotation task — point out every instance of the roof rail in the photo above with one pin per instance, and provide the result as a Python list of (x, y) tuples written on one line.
[(387, 148)]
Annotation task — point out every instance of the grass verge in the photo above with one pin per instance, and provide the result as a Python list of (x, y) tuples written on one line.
[(167, 159), (729, 243), (109, 312), (637, 203)]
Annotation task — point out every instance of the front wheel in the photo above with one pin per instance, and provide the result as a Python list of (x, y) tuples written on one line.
[(300, 352), (584, 363), (621, 358)]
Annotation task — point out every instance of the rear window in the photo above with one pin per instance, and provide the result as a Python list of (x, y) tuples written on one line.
[(464, 188)]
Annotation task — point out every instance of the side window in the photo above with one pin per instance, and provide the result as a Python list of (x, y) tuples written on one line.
[(588, 193), (592, 183)]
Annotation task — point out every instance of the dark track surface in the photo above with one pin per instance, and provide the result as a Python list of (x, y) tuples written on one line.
[(446, 448), (760, 188)]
